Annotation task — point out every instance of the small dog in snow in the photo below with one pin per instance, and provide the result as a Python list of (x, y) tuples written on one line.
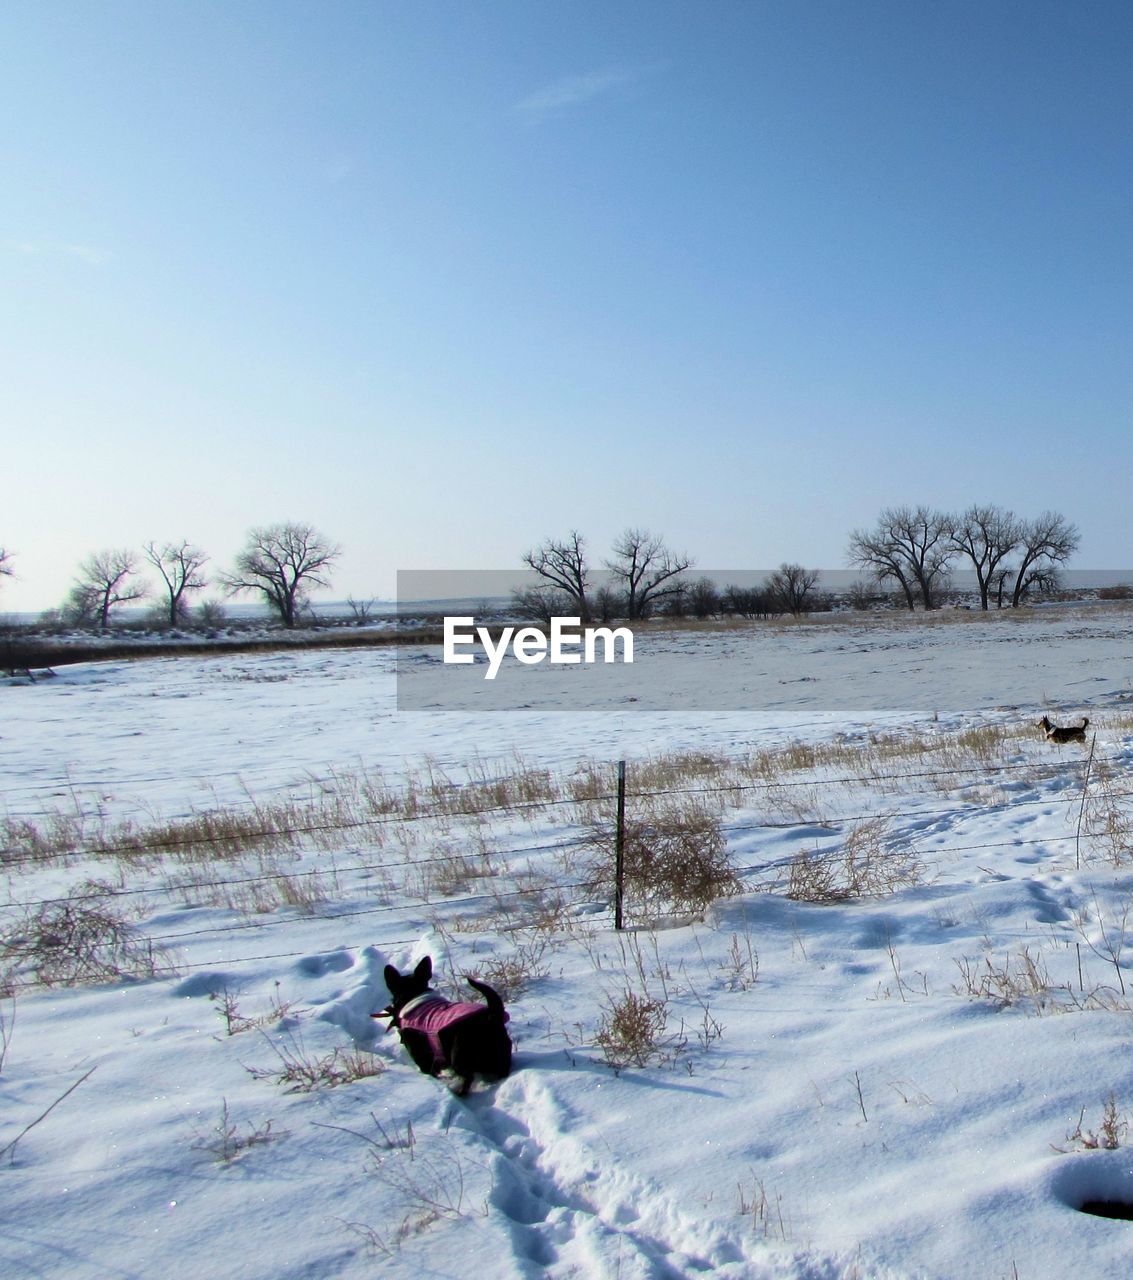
[(1060, 733), (467, 1039)]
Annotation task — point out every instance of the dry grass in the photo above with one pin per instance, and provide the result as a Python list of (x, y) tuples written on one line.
[(1109, 1135), (446, 871), (512, 974), (7, 1026), (362, 802), (431, 837), (224, 1142), (235, 1022), (791, 781), (675, 859), (1023, 980), (428, 1179), (740, 966), (302, 1072), (632, 1030), (79, 940), (765, 1216), (1018, 979), (866, 865), (1106, 817)]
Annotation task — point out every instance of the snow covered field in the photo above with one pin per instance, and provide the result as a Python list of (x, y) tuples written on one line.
[(870, 1086)]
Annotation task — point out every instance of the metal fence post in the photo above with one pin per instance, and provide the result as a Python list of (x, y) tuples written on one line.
[(620, 846)]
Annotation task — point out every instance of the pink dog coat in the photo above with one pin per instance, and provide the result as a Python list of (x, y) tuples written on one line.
[(430, 1014)]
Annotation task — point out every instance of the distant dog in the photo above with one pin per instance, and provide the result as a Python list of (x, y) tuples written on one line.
[(1067, 733), (467, 1039)]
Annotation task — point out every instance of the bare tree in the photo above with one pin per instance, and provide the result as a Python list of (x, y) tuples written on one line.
[(860, 595), (563, 565), (646, 569), (103, 583), (987, 536), (180, 565), (1045, 544), (361, 611), (704, 598), (746, 602), (6, 570), (791, 585), (909, 545), (281, 562), (607, 604)]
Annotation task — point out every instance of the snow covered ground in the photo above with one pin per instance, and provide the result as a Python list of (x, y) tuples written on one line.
[(870, 1087)]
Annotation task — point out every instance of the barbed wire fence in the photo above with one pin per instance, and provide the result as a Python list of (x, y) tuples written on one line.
[(1074, 773)]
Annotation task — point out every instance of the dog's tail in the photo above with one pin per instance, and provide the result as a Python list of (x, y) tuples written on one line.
[(1085, 721), (495, 1003)]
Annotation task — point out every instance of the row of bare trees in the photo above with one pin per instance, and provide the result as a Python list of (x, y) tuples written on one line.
[(280, 563), (645, 576), (915, 548), (643, 572), (911, 549)]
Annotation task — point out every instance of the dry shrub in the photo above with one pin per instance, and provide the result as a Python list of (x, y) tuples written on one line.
[(863, 867), (675, 859), (632, 1030), (77, 940)]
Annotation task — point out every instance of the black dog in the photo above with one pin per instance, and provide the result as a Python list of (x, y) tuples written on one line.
[(468, 1039), (1063, 733)]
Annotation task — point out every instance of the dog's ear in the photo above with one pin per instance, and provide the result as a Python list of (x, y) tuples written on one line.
[(424, 970), (391, 976)]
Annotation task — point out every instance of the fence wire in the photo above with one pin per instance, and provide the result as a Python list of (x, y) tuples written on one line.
[(133, 848)]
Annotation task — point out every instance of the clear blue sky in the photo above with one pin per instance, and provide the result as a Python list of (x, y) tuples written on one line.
[(444, 279)]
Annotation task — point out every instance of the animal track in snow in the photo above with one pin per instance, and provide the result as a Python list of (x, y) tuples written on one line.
[(572, 1211)]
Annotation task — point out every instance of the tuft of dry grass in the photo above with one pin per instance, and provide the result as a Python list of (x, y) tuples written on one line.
[(235, 1022), (865, 866), (740, 966), (1109, 1135), (632, 1030), (224, 1142), (765, 1216), (1106, 819), (76, 941), (1022, 979), (301, 1072), (675, 859), (512, 974)]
